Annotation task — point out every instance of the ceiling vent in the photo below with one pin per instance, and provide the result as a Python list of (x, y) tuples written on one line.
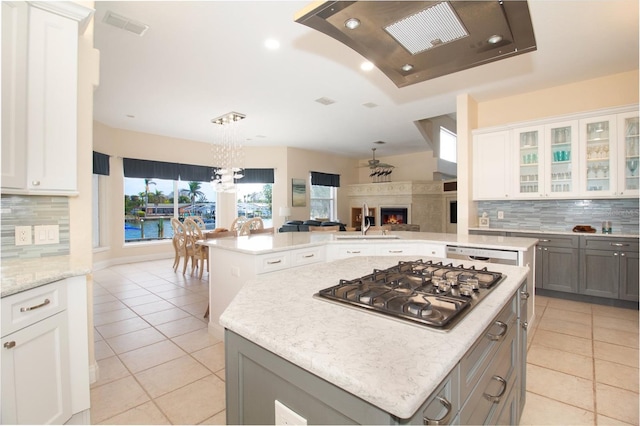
[(124, 23), (414, 41)]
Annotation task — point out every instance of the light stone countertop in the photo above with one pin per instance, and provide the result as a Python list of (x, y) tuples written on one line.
[(19, 275), (533, 231), (344, 345), (281, 241)]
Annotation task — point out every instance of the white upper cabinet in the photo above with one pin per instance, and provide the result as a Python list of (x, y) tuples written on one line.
[(628, 154), (588, 156), (598, 157), (492, 165), (40, 141)]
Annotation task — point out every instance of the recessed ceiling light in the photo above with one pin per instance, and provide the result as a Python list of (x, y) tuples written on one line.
[(366, 66), (407, 67), (352, 23), (272, 44), (494, 39)]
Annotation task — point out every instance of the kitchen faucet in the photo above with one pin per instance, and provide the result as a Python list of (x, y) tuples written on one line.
[(365, 223)]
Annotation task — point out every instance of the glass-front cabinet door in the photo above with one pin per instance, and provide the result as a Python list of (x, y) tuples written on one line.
[(629, 154), (530, 143), (598, 156), (561, 156)]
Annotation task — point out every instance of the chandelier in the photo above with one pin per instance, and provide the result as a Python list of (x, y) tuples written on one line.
[(228, 154)]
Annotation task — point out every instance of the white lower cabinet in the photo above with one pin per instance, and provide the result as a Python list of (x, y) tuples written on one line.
[(35, 373), (44, 335)]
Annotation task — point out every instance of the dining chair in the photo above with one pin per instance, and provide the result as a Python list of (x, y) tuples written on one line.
[(199, 252), (237, 223), (199, 221), (251, 224), (183, 244)]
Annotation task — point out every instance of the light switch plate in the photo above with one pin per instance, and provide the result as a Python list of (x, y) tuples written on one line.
[(46, 234), (23, 235)]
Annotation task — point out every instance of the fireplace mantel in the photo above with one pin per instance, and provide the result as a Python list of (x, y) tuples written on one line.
[(425, 201)]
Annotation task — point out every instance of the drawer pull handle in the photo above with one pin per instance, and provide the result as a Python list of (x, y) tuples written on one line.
[(444, 420), (500, 335), (396, 251), (618, 245), (353, 251), (308, 256), (31, 308), (274, 262), (10, 344), (496, 398), (544, 241), (524, 295)]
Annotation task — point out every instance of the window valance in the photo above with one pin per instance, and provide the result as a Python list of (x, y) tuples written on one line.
[(325, 179)]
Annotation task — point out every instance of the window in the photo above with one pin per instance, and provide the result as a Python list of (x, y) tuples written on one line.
[(448, 145), (323, 202), (255, 200), (149, 205)]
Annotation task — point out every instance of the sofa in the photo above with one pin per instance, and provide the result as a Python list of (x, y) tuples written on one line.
[(303, 226)]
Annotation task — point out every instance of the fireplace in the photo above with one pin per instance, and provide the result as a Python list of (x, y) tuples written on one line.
[(394, 215)]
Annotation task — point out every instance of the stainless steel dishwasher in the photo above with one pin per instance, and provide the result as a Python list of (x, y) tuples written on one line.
[(505, 257)]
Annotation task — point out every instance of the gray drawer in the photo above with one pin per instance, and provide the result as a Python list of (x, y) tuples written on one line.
[(552, 240), (478, 358), (613, 244)]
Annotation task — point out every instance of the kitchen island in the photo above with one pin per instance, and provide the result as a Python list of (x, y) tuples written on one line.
[(234, 261), (335, 364)]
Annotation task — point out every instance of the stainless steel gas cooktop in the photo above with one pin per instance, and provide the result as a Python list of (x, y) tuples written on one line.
[(424, 293)]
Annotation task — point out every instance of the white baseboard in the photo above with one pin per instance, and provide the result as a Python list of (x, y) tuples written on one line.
[(94, 372), (130, 259)]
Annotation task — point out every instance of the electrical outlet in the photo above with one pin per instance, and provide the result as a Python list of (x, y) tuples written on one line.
[(500, 215), (23, 235), (286, 416)]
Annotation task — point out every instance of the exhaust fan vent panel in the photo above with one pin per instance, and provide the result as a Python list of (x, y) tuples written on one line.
[(124, 23), (428, 28)]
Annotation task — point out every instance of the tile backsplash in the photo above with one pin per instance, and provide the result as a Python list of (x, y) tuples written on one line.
[(563, 215), (18, 210)]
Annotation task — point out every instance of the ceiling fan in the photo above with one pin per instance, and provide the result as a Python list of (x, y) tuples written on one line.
[(376, 164)]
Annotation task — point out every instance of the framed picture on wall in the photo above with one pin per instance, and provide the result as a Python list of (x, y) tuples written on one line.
[(298, 193)]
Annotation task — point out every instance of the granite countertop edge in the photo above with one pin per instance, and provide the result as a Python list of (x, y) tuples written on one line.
[(19, 275)]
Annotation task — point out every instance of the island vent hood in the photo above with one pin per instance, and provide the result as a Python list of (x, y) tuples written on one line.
[(414, 41)]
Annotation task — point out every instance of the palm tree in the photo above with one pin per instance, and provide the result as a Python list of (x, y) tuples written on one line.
[(194, 192), (147, 182)]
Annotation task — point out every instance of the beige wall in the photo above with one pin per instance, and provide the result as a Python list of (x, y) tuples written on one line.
[(606, 92)]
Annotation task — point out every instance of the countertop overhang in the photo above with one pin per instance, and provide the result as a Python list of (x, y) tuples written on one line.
[(280, 241), (343, 345), (24, 274)]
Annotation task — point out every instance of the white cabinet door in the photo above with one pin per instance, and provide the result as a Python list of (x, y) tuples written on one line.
[(529, 161), (628, 154), (561, 159), (492, 166), (598, 158), (35, 373), (52, 102), (14, 94)]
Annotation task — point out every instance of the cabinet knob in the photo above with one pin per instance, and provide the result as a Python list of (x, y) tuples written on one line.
[(524, 295), (35, 182), (524, 325), (10, 344), (615, 253), (622, 254)]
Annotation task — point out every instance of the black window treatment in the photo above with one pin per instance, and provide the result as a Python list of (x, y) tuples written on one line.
[(149, 169), (257, 176), (325, 179), (100, 164)]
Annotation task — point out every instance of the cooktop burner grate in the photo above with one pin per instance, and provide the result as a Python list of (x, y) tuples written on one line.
[(426, 293)]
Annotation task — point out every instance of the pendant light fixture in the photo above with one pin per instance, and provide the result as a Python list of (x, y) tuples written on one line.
[(228, 154)]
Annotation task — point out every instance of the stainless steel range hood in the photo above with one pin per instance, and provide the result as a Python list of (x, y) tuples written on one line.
[(414, 41)]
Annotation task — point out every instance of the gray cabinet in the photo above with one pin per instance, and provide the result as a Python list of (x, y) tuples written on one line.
[(557, 260), (609, 268)]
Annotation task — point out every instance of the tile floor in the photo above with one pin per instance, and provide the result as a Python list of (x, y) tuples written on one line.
[(158, 365)]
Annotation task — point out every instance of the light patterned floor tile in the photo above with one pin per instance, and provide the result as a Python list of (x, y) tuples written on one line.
[(102, 350), (109, 306), (212, 357), (150, 356), (171, 375), (539, 410), (617, 375), (616, 337), (195, 340), (561, 387), (181, 326), (109, 370), (615, 353), (565, 362), (564, 327), (134, 340), (122, 327), (152, 308), (115, 398), (218, 419), (563, 342), (141, 300), (162, 317), (195, 402), (615, 323), (145, 414), (569, 305), (617, 403), (608, 421), (611, 311), (565, 315), (112, 316)]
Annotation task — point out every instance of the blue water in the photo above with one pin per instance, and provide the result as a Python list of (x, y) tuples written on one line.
[(132, 231)]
